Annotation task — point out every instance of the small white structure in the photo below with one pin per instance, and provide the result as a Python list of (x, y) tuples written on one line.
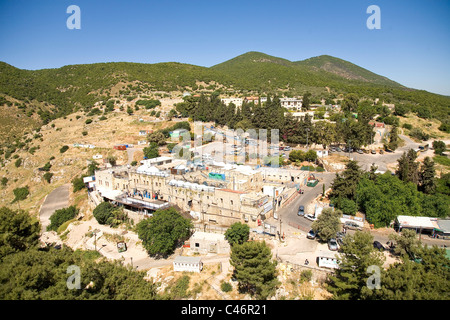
[(207, 242), (327, 260), (189, 264)]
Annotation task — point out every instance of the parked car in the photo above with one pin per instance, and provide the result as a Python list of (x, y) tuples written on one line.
[(360, 151), (338, 149), (352, 226), (333, 245), (378, 245), (310, 217), (311, 234), (381, 151), (301, 211), (373, 152), (287, 148)]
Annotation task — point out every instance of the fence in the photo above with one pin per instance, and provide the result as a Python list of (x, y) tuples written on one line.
[(298, 226)]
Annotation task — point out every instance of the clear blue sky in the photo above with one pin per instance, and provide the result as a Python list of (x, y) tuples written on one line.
[(412, 47)]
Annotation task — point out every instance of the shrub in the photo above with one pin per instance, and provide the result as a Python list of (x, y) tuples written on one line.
[(84, 133), (18, 162), (63, 149), (103, 212), (20, 194), (226, 287), (88, 121), (60, 216), (77, 184), (4, 181), (48, 176)]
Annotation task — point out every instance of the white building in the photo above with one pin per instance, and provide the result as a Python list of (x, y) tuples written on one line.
[(291, 103), (189, 264), (236, 101)]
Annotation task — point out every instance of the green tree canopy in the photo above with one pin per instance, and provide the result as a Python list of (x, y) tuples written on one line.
[(357, 254), (18, 231), (327, 224), (60, 216), (237, 233), (161, 233), (254, 269)]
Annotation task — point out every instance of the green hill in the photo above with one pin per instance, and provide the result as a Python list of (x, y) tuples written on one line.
[(52, 93), (345, 69)]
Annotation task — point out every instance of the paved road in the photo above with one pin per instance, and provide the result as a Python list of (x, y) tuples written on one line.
[(382, 160), (57, 199)]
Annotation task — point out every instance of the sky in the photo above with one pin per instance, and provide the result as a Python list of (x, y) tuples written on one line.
[(412, 46)]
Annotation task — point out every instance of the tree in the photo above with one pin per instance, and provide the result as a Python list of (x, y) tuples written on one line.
[(350, 280), (408, 169), (393, 139), (20, 194), (439, 147), (161, 233), (350, 103), (78, 184), (111, 160), (158, 137), (237, 233), (427, 177), (103, 212), (253, 268), (60, 216), (106, 213), (306, 100), (91, 168), (4, 181), (327, 224), (18, 231), (345, 183), (151, 151)]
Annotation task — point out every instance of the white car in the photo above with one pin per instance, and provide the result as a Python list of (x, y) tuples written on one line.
[(310, 217)]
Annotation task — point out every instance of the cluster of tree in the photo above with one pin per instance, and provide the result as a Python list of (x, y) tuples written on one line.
[(148, 103), (382, 197), (270, 115), (152, 151), (361, 276), (28, 272), (300, 156)]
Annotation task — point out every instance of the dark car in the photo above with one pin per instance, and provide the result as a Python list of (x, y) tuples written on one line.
[(378, 245), (333, 245), (301, 211), (311, 234)]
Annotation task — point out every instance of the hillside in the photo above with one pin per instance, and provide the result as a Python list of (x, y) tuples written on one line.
[(345, 70), (47, 94)]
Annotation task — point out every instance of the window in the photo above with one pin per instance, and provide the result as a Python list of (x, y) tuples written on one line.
[(197, 245)]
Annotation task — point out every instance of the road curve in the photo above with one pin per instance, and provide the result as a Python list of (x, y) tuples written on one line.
[(57, 199)]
